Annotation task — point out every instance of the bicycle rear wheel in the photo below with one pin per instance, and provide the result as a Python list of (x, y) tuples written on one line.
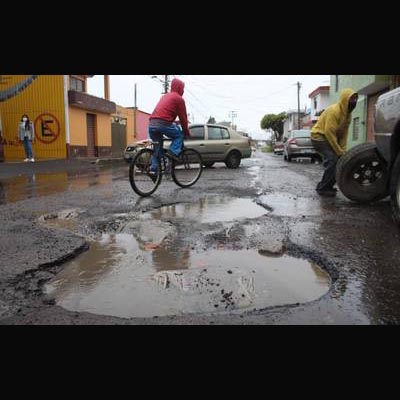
[(187, 171), (142, 182)]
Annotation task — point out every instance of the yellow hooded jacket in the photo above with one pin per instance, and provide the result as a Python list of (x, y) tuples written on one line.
[(333, 124)]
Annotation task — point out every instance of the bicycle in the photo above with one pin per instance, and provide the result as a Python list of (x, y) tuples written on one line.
[(185, 172)]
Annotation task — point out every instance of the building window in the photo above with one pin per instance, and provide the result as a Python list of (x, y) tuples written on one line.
[(336, 83), (356, 128), (315, 104), (76, 84)]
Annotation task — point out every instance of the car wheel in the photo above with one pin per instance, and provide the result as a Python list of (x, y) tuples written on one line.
[(395, 190), (289, 158), (233, 160), (208, 164), (362, 175), (284, 157)]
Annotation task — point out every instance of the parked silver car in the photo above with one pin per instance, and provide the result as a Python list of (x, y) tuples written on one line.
[(298, 144), (215, 143)]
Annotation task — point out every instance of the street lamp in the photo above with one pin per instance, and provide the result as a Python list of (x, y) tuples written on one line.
[(165, 82)]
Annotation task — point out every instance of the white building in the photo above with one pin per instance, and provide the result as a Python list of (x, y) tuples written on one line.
[(319, 101), (292, 121)]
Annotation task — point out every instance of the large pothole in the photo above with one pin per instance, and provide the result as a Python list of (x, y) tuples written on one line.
[(124, 277), (212, 209), (151, 268)]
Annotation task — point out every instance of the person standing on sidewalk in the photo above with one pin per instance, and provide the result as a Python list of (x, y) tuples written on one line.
[(26, 134), (329, 138)]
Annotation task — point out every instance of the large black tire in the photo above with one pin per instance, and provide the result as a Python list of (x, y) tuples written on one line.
[(395, 190), (362, 174), (233, 160)]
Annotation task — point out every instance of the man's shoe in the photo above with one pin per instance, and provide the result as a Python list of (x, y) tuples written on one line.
[(327, 192), (173, 156), (153, 175)]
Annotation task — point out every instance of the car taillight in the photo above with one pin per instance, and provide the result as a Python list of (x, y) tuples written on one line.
[(292, 141)]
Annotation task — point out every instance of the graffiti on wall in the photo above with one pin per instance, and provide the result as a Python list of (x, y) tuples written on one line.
[(6, 94)]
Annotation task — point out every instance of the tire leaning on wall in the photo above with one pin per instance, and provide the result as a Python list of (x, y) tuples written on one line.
[(362, 174)]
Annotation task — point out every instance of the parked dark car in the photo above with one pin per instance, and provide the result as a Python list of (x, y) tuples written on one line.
[(371, 171), (298, 144)]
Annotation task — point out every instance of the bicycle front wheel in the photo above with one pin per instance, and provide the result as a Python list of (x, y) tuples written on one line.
[(187, 171), (142, 181)]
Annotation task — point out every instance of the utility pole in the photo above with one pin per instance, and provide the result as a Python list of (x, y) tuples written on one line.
[(134, 114), (298, 104), (107, 87), (166, 84), (233, 115)]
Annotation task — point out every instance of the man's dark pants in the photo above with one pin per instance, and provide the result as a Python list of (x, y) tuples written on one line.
[(330, 160)]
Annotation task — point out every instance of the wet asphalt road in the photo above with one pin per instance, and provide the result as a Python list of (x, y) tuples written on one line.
[(49, 218)]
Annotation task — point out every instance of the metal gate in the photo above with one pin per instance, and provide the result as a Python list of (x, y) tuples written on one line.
[(118, 139), (91, 135)]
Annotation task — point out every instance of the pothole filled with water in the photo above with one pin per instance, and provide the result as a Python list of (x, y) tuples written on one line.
[(286, 204), (122, 276), (212, 209)]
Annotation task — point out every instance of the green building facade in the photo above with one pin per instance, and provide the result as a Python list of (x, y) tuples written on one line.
[(369, 87)]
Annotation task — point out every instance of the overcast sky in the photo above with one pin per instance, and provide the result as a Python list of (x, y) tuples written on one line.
[(250, 96)]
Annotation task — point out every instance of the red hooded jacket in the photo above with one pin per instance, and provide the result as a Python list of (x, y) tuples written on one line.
[(172, 105)]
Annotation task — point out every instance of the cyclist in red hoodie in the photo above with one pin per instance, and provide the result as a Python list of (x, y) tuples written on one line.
[(162, 122)]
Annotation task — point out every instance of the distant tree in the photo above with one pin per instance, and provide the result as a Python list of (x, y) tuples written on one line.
[(211, 120), (275, 123)]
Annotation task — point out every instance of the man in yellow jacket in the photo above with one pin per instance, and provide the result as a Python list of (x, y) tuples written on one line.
[(329, 138)]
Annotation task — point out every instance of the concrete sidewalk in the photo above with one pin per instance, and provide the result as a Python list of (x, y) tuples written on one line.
[(12, 169)]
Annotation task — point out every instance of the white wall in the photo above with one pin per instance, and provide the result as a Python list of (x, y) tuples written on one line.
[(322, 102)]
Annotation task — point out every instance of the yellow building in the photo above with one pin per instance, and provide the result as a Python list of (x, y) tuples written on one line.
[(68, 122)]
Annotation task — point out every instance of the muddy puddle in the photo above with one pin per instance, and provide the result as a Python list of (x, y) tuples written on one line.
[(287, 204), (123, 276), (212, 209)]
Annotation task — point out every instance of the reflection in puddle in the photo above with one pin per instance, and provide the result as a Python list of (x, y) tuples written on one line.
[(39, 184), (256, 177), (286, 204), (123, 277), (212, 209)]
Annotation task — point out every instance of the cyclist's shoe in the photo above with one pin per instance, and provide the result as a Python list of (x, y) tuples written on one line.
[(173, 156), (153, 175)]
